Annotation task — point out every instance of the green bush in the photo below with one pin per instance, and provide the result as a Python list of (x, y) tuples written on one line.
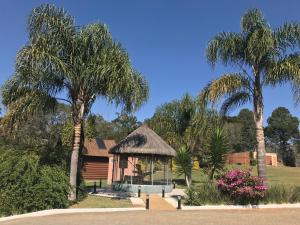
[(28, 186), (206, 194), (283, 194), (253, 162)]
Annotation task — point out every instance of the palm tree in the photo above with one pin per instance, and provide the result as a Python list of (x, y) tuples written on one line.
[(183, 123), (216, 150), (184, 164), (261, 55), (81, 63)]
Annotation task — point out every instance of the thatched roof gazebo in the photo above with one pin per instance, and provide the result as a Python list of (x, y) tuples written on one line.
[(142, 160)]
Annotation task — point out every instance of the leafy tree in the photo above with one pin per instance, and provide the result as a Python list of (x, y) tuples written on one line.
[(123, 125), (184, 164), (82, 62), (90, 127), (281, 130), (261, 55), (241, 131)]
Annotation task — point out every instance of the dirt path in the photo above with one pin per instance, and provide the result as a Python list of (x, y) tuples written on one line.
[(217, 217), (158, 203)]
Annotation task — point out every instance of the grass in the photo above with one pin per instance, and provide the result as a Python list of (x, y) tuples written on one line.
[(289, 176), (102, 202), (90, 183)]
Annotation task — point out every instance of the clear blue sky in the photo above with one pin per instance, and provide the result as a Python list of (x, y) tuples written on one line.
[(166, 41)]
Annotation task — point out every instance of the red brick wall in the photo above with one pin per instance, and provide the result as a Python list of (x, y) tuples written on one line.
[(242, 158), (268, 160)]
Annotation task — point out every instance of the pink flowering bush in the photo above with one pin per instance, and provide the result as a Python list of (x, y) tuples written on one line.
[(242, 187)]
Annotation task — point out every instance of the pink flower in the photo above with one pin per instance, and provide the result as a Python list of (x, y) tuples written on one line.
[(242, 186)]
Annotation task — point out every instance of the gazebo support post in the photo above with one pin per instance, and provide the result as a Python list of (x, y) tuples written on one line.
[(167, 171), (164, 172), (171, 170), (131, 171), (113, 171), (152, 169)]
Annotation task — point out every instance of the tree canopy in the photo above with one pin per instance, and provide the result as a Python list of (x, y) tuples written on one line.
[(241, 131), (75, 64), (281, 132)]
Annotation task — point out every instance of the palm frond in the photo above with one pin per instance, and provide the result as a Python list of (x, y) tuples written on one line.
[(51, 22), (29, 104), (235, 100), (253, 20), (287, 36), (226, 85), (227, 47), (260, 46), (286, 69)]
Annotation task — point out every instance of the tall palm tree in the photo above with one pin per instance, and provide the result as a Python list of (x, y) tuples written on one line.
[(81, 63), (261, 56)]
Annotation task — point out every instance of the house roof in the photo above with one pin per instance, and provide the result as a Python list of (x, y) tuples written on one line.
[(97, 147), (143, 141)]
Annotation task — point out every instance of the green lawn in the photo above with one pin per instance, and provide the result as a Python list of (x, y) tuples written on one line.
[(276, 175), (90, 183), (102, 202)]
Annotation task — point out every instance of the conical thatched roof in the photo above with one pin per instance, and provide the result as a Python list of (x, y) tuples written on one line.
[(143, 141)]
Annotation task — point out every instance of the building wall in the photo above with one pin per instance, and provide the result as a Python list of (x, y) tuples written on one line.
[(271, 158), (242, 158), (297, 159), (94, 168), (115, 172)]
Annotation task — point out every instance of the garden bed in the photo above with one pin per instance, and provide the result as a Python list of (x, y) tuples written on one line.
[(238, 187)]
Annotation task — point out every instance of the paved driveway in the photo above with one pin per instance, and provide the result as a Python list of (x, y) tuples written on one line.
[(241, 217)]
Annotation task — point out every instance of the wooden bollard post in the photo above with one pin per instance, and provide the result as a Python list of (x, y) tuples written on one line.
[(147, 201), (139, 191), (95, 188), (179, 202)]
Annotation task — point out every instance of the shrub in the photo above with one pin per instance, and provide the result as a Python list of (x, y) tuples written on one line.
[(242, 187), (206, 194), (253, 162), (216, 151), (283, 194), (27, 186)]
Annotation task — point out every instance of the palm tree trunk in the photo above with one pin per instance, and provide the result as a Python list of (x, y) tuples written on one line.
[(74, 161), (78, 114), (187, 181), (260, 138), (212, 173)]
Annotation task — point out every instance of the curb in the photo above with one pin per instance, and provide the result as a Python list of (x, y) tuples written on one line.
[(68, 211), (242, 207)]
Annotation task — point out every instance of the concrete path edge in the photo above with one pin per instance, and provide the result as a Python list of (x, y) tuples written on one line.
[(239, 207), (103, 210), (68, 211)]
